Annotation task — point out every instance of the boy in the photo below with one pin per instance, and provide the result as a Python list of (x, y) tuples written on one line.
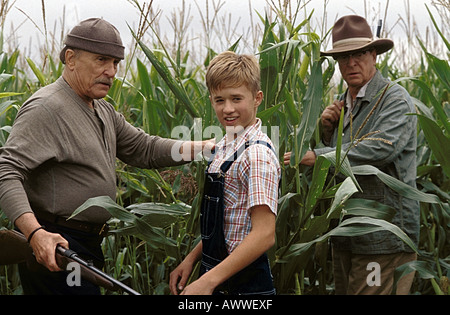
[(241, 190)]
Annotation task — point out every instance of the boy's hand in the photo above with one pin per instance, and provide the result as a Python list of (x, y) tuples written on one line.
[(180, 276), (198, 288), (183, 271)]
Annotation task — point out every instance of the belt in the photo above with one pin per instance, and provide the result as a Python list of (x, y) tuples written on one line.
[(87, 227)]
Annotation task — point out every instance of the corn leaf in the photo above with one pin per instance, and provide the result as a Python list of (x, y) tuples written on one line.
[(435, 103), (297, 254), (319, 177), (345, 191), (444, 39), (339, 141), (397, 185), (440, 67), (368, 208), (155, 237), (439, 143), (344, 168), (160, 214), (269, 65), (37, 72), (175, 86), (291, 109), (311, 112)]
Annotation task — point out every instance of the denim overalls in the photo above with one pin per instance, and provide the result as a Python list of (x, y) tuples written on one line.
[(255, 278)]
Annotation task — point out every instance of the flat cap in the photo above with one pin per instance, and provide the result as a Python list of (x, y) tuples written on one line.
[(97, 36)]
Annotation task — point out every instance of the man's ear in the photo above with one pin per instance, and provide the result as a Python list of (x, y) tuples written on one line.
[(374, 56), (70, 58)]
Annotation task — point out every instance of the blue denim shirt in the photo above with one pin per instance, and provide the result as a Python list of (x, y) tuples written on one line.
[(397, 159)]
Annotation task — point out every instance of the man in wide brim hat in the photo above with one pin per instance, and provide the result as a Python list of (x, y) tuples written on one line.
[(372, 105), (352, 33)]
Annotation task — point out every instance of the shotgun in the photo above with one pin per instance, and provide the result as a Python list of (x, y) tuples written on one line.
[(15, 249)]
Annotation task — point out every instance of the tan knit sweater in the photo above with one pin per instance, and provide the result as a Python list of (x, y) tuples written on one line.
[(61, 152)]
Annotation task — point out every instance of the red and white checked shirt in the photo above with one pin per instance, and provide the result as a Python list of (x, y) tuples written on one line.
[(251, 180)]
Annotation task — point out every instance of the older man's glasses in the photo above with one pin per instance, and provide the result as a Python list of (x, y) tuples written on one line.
[(357, 56)]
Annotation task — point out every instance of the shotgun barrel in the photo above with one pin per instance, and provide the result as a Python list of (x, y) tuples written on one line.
[(71, 255)]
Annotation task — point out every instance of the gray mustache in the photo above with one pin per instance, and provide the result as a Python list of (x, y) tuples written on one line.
[(105, 81)]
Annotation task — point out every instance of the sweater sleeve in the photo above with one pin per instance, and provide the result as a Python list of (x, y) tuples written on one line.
[(137, 148), (30, 144)]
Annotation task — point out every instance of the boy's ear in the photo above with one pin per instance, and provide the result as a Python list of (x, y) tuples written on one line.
[(258, 98)]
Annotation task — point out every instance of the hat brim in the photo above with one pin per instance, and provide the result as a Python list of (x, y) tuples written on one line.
[(380, 45)]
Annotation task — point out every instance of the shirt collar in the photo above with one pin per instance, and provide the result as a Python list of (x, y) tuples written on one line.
[(246, 135), (361, 93)]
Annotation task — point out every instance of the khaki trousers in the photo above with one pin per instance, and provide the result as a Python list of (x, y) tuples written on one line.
[(370, 274)]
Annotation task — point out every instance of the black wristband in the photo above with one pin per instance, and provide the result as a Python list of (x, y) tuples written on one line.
[(32, 233)]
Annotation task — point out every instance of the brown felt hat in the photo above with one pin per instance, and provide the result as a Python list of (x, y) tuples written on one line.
[(97, 36), (352, 33)]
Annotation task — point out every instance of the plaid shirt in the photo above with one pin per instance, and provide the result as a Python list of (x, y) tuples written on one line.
[(252, 180)]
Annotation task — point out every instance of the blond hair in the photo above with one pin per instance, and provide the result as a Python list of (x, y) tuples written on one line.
[(229, 69)]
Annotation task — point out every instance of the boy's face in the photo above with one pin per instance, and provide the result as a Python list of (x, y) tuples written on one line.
[(236, 107)]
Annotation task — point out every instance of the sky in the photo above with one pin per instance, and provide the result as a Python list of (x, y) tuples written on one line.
[(25, 18)]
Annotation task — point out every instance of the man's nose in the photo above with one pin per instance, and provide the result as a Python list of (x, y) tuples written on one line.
[(351, 60), (110, 69)]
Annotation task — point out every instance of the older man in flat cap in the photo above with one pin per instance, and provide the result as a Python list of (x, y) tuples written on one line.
[(62, 151), (365, 264)]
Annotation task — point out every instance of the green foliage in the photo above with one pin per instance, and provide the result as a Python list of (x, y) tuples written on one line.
[(156, 213)]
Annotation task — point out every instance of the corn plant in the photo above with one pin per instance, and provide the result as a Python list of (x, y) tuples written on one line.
[(433, 169), (156, 212)]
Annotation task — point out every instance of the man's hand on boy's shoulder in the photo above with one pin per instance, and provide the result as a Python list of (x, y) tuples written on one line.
[(189, 149)]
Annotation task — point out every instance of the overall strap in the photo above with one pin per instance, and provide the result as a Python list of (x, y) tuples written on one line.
[(226, 165)]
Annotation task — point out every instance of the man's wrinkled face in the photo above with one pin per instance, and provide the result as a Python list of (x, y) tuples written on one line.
[(93, 74), (357, 68)]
